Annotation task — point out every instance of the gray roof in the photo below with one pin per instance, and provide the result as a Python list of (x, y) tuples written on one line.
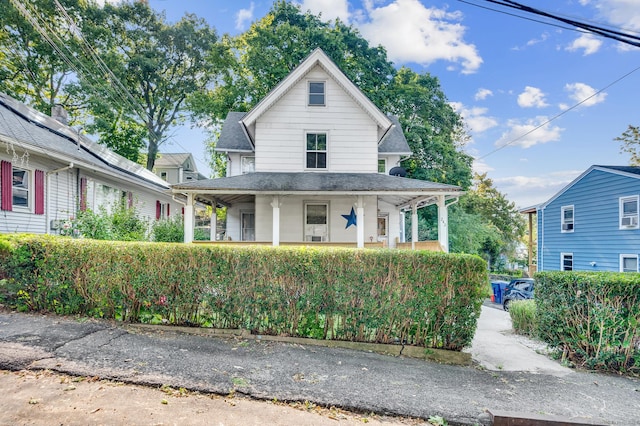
[(233, 137), (30, 129), (627, 169), (394, 142), (395, 190), (175, 160)]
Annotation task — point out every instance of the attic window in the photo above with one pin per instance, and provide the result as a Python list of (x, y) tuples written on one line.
[(316, 93)]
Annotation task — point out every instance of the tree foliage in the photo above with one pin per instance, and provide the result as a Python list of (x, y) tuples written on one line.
[(630, 144), (505, 224), (35, 69), (154, 67)]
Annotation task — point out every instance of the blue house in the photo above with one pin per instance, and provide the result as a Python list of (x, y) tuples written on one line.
[(592, 224)]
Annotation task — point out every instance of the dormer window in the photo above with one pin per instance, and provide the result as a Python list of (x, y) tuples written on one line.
[(316, 93)]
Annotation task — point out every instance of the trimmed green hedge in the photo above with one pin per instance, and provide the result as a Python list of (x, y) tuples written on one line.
[(419, 298), (593, 316)]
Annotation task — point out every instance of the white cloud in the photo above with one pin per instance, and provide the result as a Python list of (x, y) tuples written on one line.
[(482, 94), (587, 42), (526, 191), (330, 9), (532, 97), (621, 13), (475, 117), (412, 32), (580, 92), (530, 133), (243, 16)]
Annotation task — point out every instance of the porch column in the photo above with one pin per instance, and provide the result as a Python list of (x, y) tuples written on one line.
[(443, 224), (360, 222), (414, 225), (188, 219), (275, 204), (213, 223)]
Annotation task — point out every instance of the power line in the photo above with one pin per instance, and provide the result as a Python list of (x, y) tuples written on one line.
[(620, 36), (560, 114)]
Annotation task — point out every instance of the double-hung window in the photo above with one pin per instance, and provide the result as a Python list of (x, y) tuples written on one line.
[(629, 212), (567, 218), (248, 164), (316, 151), (317, 93)]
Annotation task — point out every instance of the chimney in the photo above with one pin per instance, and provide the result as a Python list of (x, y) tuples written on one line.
[(59, 113)]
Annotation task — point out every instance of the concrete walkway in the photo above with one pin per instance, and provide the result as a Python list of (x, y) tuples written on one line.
[(496, 347)]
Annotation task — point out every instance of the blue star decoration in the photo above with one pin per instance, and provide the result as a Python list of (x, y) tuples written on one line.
[(351, 218)]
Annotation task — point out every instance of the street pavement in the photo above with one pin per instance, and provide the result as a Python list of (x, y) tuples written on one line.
[(507, 375)]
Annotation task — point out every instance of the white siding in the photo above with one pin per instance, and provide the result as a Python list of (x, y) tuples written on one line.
[(292, 218), (352, 134)]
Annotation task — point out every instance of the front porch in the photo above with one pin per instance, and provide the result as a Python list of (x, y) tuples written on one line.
[(363, 210)]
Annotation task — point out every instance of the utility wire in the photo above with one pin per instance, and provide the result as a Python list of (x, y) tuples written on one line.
[(620, 36), (559, 114)]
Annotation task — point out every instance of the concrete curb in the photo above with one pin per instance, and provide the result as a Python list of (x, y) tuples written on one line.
[(435, 355)]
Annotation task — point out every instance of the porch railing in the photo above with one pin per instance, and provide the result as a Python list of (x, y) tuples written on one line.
[(420, 245)]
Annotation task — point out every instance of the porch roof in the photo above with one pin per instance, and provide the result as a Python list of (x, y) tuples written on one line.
[(398, 191)]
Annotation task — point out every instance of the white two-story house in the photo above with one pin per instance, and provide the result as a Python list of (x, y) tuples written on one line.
[(316, 162)]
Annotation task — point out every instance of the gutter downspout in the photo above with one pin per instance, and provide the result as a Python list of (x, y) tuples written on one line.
[(48, 197)]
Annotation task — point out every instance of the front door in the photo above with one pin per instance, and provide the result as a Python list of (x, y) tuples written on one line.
[(316, 225), (248, 226)]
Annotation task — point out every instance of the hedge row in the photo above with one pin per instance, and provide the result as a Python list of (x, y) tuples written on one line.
[(385, 296), (593, 316)]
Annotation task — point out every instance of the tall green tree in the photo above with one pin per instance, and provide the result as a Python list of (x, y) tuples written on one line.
[(507, 225), (630, 144), (38, 52), (149, 68), (434, 131)]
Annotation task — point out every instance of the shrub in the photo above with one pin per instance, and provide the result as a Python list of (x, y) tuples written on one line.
[(169, 230), (121, 223), (523, 317), (594, 317), (414, 297)]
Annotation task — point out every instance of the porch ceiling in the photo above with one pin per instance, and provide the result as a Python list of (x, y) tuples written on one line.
[(397, 191)]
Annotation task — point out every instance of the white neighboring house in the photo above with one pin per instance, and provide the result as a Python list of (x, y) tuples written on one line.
[(49, 172), (316, 161), (177, 168)]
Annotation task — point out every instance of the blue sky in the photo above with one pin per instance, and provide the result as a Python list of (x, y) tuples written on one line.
[(504, 74)]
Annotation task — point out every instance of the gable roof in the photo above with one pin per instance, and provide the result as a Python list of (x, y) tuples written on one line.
[(629, 171), (31, 130), (394, 141), (176, 160), (317, 58)]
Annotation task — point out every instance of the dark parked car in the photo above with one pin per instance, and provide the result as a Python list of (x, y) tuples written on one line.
[(518, 289)]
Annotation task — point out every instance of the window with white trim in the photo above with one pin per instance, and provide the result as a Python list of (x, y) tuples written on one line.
[(21, 187), (247, 164), (628, 263), (629, 212), (382, 165), (566, 261), (566, 218), (316, 93), (316, 152)]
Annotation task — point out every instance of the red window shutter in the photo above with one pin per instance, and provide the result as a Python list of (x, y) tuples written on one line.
[(168, 209), (183, 211), (6, 182), (83, 194), (158, 209), (129, 199), (39, 189)]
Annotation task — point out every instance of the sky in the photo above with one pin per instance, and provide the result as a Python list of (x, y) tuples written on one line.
[(541, 101)]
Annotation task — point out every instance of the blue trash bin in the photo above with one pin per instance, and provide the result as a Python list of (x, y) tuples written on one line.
[(496, 292), (503, 286)]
